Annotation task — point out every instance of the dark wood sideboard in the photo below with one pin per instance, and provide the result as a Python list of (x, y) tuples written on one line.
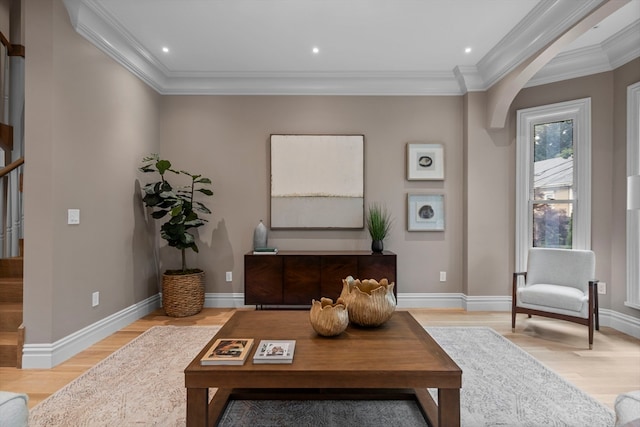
[(297, 277)]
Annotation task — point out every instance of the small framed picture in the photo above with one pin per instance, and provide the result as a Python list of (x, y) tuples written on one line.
[(425, 212), (425, 161)]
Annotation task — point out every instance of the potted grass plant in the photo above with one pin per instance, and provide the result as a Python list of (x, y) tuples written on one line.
[(182, 289), (378, 223)]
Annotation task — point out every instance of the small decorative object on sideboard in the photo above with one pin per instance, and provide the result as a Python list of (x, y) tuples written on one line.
[(369, 303), (260, 236), (378, 223), (328, 319)]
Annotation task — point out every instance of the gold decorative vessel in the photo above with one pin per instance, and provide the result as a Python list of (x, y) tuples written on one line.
[(328, 319), (369, 303)]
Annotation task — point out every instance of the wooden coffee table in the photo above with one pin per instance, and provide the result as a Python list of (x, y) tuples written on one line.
[(398, 360)]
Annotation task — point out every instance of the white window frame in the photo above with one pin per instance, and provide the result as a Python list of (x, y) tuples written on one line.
[(580, 112), (633, 216)]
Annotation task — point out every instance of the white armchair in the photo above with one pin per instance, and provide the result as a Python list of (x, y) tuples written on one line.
[(558, 283)]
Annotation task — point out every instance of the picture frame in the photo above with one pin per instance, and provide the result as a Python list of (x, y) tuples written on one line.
[(317, 181), (425, 212), (425, 161)]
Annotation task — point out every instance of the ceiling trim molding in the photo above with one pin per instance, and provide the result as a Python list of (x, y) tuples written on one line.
[(546, 22), (391, 83), (624, 46), (607, 56), (99, 30)]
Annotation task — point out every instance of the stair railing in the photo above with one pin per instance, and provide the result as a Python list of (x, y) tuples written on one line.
[(11, 146)]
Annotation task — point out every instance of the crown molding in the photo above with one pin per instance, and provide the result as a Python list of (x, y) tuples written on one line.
[(301, 83), (612, 53), (88, 19), (546, 22), (623, 46), (543, 24)]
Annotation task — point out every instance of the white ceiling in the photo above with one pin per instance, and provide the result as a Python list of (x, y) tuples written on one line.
[(383, 47)]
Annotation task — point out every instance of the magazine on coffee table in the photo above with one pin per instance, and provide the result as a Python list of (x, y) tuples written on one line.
[(275, 351), (228, 351)]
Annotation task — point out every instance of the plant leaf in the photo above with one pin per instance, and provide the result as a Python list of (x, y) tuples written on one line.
[(163, 166)]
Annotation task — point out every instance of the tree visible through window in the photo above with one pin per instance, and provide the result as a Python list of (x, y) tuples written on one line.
[(552, 179)]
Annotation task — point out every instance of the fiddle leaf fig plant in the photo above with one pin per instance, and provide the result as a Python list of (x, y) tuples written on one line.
[(177, 203)]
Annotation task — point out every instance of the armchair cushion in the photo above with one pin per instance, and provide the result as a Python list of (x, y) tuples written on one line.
[(562, 297)]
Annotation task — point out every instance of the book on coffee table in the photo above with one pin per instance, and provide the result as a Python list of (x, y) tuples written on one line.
[(275, 351), (228, 351)]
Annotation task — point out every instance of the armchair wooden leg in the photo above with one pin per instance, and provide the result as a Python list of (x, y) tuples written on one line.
[(591, 322), (596, 311), (593, 304)]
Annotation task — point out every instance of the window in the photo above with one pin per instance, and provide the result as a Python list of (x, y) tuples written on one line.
[(633, 216), (553, 178)]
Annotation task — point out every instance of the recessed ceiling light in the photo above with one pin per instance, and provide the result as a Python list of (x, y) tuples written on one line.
[(315, 50), (467, 50), (165, 49)]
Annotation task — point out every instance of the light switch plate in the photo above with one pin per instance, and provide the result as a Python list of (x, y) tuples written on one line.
[(73, 216)]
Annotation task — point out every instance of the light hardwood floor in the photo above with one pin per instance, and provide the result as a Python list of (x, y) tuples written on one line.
[(611, 368)]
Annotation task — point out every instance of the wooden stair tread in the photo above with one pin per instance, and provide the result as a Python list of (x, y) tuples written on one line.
[(10, 306), (11, 316), (8, 338)]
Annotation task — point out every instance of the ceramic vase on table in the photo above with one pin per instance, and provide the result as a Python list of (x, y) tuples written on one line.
[(260, 236), (328, 319), (369, 302)]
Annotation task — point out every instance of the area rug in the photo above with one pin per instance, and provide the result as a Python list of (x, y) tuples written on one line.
[(142, 384)]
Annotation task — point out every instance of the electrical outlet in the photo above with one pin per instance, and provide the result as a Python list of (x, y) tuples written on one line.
[(602, 288), (229, 276), (95, 299), (443, 276)]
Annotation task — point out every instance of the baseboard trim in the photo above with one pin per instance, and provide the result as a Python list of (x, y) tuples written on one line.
[(46, 356), (620, 322), (225, 300)]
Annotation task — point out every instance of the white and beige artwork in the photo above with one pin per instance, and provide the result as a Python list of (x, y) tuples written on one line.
[(317, 181)]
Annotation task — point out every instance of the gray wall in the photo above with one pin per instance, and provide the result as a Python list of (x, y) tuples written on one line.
[(227, 139), (89, 122)]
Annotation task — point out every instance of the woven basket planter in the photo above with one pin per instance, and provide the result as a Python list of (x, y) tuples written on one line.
[(183, 294)]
